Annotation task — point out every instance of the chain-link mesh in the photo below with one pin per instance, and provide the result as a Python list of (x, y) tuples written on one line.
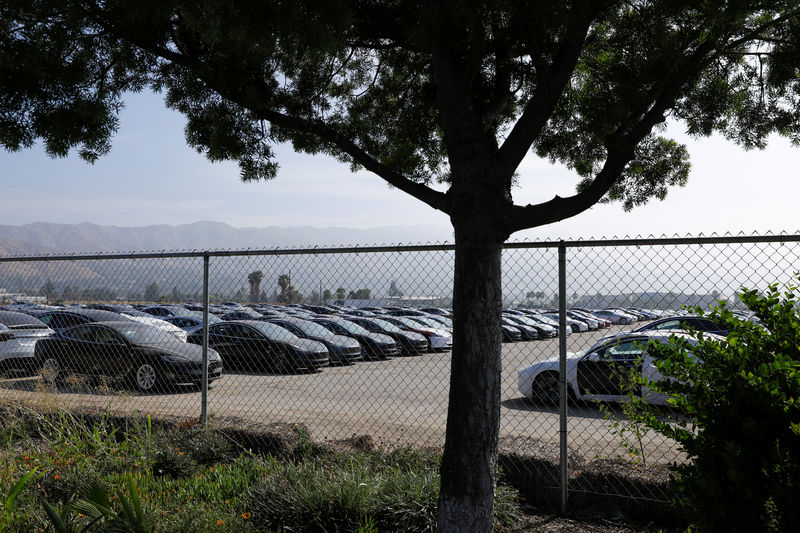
[(336, 340)]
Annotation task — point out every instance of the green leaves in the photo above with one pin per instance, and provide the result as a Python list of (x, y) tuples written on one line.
[(739, 400)]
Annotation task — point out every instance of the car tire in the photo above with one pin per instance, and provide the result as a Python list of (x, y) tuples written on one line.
[(51, 371), (545, 388), (146, 377), (624, 321)]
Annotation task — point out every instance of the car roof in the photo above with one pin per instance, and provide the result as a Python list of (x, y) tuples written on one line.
[(96, 315), (15, 318)]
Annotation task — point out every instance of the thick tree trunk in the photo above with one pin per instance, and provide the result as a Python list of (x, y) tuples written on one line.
[(469, 463)]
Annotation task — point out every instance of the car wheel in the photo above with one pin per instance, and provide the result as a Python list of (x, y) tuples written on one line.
[(146, 377), (624, 321), (545, 389), (51, 370)]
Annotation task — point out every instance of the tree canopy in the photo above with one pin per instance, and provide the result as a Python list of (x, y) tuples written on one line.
[(399, 88), (441, 100)]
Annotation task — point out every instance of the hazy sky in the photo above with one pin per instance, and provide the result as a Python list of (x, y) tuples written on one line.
[(152, 177)]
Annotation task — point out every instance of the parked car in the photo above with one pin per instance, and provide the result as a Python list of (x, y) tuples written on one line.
[(255, 345), (164, 310), (698, 323), (410, 343), (191, 322), (373, 345), (438, 338), (603, 372), (544, 331), (527, 333), (242, 313), (18, 335), (124, 349), (615, 316), (65, 318), (341, 349)]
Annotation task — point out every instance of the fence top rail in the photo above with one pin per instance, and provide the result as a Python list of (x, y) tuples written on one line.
[(593, 243)]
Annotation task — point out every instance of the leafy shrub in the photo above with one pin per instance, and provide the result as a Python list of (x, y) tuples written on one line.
[(345, 492), (740, 421)]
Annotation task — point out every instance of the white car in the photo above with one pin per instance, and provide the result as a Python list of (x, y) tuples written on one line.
[(163, 325), (18, 335), (602, 372), (615, 316)]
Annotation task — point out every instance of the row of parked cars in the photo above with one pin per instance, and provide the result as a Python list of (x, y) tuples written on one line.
[(150, 345)]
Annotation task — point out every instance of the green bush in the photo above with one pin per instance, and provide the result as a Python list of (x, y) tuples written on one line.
[(392, 491), (738, 405)]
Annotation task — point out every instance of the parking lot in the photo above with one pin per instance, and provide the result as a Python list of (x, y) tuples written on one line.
[(398, 401)]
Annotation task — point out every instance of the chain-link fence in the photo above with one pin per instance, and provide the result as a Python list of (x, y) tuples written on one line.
[(356, 341)]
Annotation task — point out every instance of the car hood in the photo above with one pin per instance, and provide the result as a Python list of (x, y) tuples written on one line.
[(552, 363), (182, 350), (308, 345)]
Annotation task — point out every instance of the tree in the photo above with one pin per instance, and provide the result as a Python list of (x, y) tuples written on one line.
[(340, 293), (394, 291), (288, 293), (48, 290), (152, 293), (254, 279), (326, 294), (360, 294), (422, 94)]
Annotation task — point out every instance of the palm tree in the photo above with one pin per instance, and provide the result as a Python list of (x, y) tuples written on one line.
[(254, 279)]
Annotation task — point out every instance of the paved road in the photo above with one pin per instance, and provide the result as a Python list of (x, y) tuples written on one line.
[(402, 400)]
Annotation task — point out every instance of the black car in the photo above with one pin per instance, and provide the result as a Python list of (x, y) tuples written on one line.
[(374, 345), (343, 350), (410, 343), (255, 345), (162, 311), (66, 318), (124, 349), (698, 323)]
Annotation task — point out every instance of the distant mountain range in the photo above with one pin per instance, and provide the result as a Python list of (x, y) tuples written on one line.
[(418, 274), (48, 238)]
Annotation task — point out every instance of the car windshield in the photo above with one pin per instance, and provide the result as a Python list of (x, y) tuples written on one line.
[(351, 327), (386, 326), (311, 328), (144, 334), (275, 332)]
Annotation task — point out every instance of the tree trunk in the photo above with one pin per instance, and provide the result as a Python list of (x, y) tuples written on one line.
[(469, 463)]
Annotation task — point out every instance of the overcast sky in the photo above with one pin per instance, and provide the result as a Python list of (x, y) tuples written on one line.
[(152, 177)]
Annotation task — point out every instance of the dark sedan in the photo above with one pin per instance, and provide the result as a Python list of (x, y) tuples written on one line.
[(410, 343), (343, 350), (697, 323), (254, 345), (374, 345), (139, 353)]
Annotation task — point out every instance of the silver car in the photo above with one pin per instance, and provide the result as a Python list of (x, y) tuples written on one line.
[(18, 335)]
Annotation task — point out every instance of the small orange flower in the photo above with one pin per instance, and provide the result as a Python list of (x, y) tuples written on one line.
[(219, 522), (246, 516), (56, 477), (180, 453)]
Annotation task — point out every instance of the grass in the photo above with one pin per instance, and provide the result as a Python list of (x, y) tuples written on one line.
[(62, 472)]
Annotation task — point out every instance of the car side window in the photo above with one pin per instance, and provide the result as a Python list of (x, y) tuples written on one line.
[(221, 329), (627, 350), (669, 324), (85, 334)]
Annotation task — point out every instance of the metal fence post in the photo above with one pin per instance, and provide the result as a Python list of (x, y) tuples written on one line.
[(204, 384), (562, 371)]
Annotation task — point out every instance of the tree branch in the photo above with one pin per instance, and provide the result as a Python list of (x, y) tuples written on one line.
[(621, 148), (545, 98)]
